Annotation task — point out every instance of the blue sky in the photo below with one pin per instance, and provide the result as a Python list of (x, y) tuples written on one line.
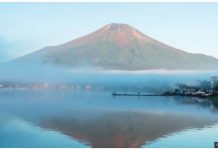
[(26, 27)]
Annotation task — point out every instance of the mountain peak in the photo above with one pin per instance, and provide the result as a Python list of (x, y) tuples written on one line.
[(119, 27), (115, 26), (122, 35), (123, 47)]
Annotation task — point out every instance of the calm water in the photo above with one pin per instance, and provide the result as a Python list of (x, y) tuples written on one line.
[(97, 119)]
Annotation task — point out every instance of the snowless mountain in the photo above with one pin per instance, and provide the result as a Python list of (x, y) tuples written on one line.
[(119, 47)]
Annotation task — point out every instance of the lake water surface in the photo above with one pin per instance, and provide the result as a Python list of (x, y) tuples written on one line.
[(52, 118)]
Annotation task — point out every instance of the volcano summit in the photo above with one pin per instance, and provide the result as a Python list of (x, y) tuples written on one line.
[(120, 47)]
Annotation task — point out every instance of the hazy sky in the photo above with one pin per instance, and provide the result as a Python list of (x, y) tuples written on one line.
[(26, 27)]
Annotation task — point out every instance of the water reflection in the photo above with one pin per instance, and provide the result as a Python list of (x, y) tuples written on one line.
[(197, 138), (211, 104), (123, 129), (98, 119), (16, 132)]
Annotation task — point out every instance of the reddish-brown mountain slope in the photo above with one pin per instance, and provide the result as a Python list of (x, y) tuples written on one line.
[(121, 47)]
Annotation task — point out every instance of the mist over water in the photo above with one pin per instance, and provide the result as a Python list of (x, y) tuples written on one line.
[(99, 79), (87, 115)]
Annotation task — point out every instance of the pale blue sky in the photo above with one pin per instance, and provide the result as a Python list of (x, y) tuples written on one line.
[(26, 27)]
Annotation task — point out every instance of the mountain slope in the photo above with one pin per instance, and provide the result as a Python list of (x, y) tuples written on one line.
[(121, 47)]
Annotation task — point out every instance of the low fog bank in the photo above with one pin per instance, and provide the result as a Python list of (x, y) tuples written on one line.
[(35, 75)]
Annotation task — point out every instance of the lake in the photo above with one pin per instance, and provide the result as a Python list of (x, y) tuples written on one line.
[(75, 118)]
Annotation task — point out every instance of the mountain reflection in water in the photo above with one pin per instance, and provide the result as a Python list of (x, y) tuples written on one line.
[(97, 119), (123, 129)]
